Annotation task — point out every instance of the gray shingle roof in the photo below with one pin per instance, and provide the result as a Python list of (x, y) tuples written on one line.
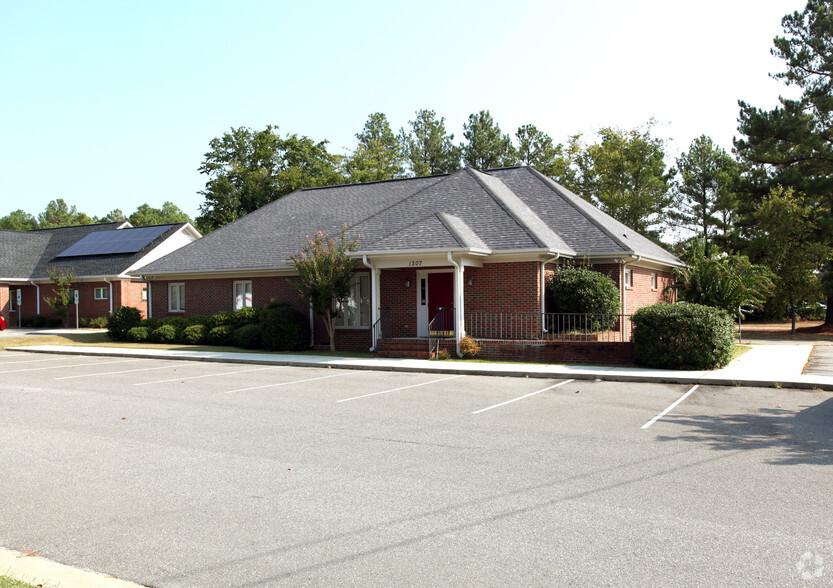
[(501, 210), (28, 254)]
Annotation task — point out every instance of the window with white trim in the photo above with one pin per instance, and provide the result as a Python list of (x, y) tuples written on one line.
[(628, 278), (356, 312), (101, 293), (176, 297), (12, 300), (242, 295), (653, 281), (145, 293)]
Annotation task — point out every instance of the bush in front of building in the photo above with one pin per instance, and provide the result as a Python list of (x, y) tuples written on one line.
[(683, 337), (166, 334), (195, 334), (221, 318), (122, 320), (247, 337), (283, 327), (246, 316), (137, 335), (581, 290), (220, 335), (469, 347), (99, 322)]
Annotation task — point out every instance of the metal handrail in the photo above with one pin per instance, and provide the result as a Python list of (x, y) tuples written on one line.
[(440, 327), (550, 326), (381, 328)]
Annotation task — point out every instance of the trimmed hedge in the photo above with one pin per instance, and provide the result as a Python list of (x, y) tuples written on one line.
[(165, 334), (283, 328), (683, 336), (195, 334), (137, 334), (220, 335), (122, 320), (581, 290), (247, 337)]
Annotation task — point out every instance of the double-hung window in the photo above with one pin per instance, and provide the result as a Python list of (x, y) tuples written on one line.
[(356, 312), (628, 278), (242, 295), (101, 293), (176, 297), (12, 300)]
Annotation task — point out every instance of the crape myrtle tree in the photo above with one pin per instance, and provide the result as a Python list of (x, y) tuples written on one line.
[(324, 273), (62, 294), (248, 169), (792, 144)]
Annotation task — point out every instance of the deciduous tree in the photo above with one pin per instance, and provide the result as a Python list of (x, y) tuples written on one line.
[(536, 149), (18, 220), (59, 214), (62, 294), (325, 272)]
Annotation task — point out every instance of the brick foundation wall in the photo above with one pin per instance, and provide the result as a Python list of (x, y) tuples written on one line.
[(571, 352)]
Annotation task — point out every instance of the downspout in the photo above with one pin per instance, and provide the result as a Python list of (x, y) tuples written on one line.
[(37, 297), (544, 282), (625, 292), (459, 322), (109, 283), (150, 300), (374, 300)]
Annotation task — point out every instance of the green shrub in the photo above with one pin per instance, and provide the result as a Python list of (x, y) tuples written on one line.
[(247, 337), (222, 318), (40, 321), (199, 319), (152, 323), (246, 316), (122, 320), (99, 322), (220, 335), (177, 322), (83, 322), (581, 290), (683, 336), (195, 334), (137, 334), (165, 334), (283, 327), (469, 347)]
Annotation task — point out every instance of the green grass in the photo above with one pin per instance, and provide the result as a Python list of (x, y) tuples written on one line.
[(6, 582), (101, 340)]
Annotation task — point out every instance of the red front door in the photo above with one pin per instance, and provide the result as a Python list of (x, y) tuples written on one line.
[(441, 295)]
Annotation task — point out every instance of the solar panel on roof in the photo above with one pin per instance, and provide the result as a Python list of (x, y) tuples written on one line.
[(115, 241)]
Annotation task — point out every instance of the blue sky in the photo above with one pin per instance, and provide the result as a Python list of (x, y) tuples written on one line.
[(112, 104)]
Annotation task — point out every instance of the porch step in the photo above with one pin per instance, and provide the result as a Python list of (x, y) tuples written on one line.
[(404, 348)]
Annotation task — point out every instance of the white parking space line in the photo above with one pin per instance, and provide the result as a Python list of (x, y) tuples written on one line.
[(522, 397), (271, 367), (65, 367), (670, 408), (162, 367), (4, 362), (402, 388), (289, 383)]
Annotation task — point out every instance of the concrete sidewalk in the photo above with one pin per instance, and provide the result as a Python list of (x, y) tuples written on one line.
[(763, 365)]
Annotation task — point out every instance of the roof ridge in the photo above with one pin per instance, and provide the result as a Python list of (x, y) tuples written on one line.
[(450, 220), (530, 230), (312, 188), (564, 192), (415, 223)]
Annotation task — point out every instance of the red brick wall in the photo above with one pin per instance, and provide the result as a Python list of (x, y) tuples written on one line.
[(641, 294), (504, 287), (572, 352), (4, 302), (401, 300), (213, 295)]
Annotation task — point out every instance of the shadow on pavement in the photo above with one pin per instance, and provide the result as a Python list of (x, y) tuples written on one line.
[(804, 436)]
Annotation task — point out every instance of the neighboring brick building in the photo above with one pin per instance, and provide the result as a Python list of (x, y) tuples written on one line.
[(99, 256), (477, 243)]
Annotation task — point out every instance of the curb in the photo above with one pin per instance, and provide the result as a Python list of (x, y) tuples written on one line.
[(610, 374), (45, 572)]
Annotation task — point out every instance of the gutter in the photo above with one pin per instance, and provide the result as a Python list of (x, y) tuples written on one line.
[(624, 291), (109, 283)]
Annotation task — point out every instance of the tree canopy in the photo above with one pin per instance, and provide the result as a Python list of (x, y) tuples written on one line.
[(428, 148), (486, 147), (379, 154)]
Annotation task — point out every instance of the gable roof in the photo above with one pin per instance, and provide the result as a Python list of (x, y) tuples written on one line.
[(500, 211), (27, 255)]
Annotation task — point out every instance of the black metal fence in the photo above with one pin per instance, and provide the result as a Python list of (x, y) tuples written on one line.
[(548, 326)]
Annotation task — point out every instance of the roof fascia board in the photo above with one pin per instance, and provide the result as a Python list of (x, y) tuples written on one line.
[(202, 274)]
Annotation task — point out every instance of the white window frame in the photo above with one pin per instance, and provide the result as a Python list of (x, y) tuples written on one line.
[(245, 301), (145, 293), (343, 318), (628, 277), (654, 281), (101, 293), (179, 287), (12, 300)]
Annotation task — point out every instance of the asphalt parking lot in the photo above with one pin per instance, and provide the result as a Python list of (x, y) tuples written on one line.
[(176, 473)]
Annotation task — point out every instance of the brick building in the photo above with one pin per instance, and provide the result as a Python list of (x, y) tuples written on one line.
[(99, 256), (477, 244)]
